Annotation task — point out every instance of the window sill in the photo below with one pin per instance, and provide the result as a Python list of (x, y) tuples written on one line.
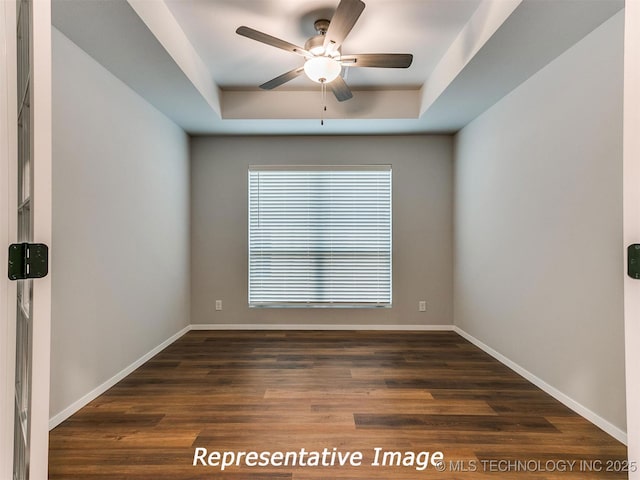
[(319, 305)]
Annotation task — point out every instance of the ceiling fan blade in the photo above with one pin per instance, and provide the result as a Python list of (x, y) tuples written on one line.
[(340, 89), (381, 60), (284, 78), (342, 22), (273, 41)]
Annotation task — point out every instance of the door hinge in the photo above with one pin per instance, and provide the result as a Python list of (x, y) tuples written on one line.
[(28, 260), (633, 260)]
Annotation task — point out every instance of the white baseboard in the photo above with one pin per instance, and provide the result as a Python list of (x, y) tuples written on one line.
[(81, 402), (580, 409), (319, 326)]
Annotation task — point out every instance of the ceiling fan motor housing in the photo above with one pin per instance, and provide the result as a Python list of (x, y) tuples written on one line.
[(315, 45), (321, 26)]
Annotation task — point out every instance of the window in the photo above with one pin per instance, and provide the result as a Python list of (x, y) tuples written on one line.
[(320, 236)]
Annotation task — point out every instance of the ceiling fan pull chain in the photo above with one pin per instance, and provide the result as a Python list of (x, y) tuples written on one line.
[(323, 95)]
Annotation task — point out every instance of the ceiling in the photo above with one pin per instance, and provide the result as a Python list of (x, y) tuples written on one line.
[(185, 58)]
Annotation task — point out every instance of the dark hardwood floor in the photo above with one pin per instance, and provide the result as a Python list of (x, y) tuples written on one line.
[(403, 393)]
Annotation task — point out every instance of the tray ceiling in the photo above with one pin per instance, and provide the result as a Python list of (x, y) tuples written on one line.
[(185, 58)]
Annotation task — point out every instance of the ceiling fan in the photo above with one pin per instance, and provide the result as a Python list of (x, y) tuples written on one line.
[(322, 52)]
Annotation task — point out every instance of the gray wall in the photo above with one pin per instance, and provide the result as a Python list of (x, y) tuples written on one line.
[(538, 221), (422, 225), (120, 226)]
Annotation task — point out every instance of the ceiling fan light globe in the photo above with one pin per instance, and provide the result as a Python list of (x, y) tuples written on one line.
[(322, 69)]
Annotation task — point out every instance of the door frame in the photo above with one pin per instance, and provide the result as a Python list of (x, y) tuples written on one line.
[(41, 85), (631, 229)]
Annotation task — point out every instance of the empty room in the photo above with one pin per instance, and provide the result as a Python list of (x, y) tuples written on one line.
[(320, 239)]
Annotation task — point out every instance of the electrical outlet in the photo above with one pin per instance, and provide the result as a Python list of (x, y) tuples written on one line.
[(218, 304), (422, 306)]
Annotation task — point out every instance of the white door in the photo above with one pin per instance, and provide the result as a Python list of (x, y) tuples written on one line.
[(25, 213), (632, 225)]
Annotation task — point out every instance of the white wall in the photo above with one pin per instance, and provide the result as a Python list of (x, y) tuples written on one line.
[(121, 226), (422, 225), (538, 222)]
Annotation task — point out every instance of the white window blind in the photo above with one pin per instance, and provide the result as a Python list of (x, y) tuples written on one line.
[(320, 236)]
